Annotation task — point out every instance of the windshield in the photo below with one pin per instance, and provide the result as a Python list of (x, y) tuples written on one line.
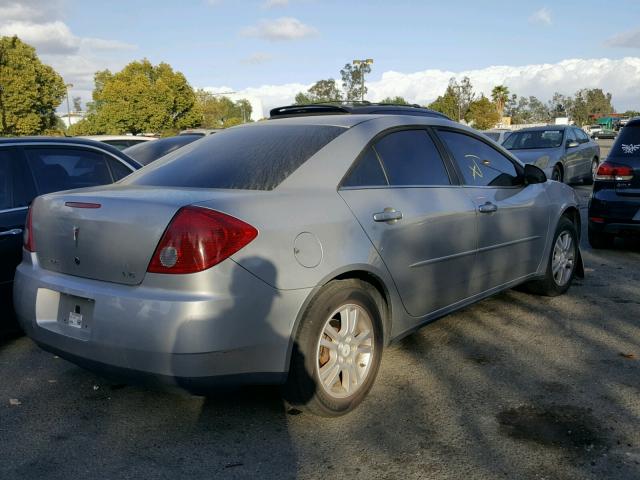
[(533, 139), (257, 157)]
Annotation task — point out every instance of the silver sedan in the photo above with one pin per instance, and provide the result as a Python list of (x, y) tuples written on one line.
[(290, 251)]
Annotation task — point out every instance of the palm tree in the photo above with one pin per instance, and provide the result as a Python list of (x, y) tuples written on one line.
[(500, 96)]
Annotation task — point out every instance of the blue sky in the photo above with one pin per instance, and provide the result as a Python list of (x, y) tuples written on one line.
[(254, 44)]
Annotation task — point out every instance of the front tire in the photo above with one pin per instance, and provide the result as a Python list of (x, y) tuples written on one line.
[(561, 266), (337, 349), (556, 174), (594, 169)]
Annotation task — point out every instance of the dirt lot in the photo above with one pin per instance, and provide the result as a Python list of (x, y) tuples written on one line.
[(516, 387)]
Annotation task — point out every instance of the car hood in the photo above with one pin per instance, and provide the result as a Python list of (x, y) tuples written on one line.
[(537, 156)]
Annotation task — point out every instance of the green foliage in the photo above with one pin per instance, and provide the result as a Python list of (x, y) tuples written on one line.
[(456, 100), (30, 91), (447, 104), (140, 98), (321, 91), (500, 96), (395, 101), (221, 112), (587, 102), (483, 113), (352, 80)]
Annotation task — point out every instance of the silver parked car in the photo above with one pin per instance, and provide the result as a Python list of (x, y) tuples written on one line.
[(498, 135), (564, 152), (290, 251)]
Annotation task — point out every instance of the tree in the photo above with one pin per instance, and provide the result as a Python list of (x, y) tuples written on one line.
[(483, 113), (220, 111), (321, 91), (30, 91), (559, 105), (447, 104), (395, 101), (500, 96), (141, 98), (352, 80), (590, 102)]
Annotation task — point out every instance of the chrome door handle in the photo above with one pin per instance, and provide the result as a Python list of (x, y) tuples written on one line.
[(13, 231), (390, 215), (487, 207)]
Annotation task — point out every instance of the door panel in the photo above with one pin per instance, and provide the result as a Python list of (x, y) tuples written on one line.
[(430, 252)]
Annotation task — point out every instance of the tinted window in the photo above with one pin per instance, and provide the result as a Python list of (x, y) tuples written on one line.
[(256, 157), (6, 181), (582, 136), (411, 158), (570, 135), (627, 144), (533, 139), (495, 136), (57, 169), (119, 144), (480, 164), (367, 172), (118, 169), (147, 152)]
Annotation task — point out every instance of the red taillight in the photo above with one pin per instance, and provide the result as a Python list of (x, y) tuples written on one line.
[(198, 238), (29, 241), (614, 171)]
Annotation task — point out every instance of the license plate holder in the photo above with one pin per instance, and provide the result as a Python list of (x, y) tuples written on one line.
[(75, 312)]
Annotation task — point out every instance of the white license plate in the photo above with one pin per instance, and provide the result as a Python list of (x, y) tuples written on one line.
[(75, 320)]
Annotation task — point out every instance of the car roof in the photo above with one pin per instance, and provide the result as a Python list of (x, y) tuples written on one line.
[(352, 108), (545, 127), (635, 121), (116, 137), (74, 141)]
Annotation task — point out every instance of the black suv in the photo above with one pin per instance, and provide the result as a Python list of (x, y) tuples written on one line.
[(614, 208), (34, 166), (354, 108)]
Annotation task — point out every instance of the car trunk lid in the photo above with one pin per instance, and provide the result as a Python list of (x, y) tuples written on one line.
[(106, 234)]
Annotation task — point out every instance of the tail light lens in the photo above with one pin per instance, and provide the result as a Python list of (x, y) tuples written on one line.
[(197, 239), (614, 171), (29, 241)]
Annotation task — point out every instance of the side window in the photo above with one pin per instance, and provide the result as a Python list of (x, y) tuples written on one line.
[(411, 158), (367, 172), (56, 169), (6, 181), (480, 164), (582, 136), (570, 136), (118, 169)]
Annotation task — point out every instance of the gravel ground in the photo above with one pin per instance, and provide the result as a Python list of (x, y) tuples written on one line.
[(516, 387)]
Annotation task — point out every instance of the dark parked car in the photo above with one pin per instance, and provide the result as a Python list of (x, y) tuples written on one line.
[(564, 152), (614, 208), (147, 152), (34, 166)]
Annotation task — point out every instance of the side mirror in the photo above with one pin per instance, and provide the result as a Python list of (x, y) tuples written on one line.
[(572, 144), (533, 174)]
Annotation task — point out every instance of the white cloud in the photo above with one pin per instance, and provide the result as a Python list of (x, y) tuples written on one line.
[(51, 37), (28, 10), (629, 39), (275, 3), (257, 58), (620, 77), (541, 17), (284, 28)]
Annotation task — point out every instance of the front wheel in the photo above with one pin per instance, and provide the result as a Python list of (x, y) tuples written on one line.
[(556, 174), (561, 266), (337, 349), (594, 169)]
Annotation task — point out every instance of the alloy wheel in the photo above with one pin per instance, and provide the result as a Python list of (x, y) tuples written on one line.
[(563, 260)]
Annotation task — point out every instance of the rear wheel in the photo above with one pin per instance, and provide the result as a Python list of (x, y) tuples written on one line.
[(556, 174), (337, 349), (600, 239), (594, 169), (561, 266)]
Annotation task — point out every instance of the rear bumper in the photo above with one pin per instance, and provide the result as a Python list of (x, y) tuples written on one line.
[(234, 329), (616, 214)]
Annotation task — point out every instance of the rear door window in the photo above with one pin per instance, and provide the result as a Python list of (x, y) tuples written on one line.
[(480, 164), (6, 181), (411, 158), (118, 169), (56, 169)]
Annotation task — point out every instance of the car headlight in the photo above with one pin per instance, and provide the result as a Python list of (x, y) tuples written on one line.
[(542, 162)]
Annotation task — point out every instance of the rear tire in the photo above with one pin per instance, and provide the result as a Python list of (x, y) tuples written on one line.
[(562, 262), (556, 174), (337, 349), (599, 240), (594, 168)]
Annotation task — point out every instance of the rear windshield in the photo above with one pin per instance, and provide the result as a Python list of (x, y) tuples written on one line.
[(533, 139), (256, 157), (628, 143)]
